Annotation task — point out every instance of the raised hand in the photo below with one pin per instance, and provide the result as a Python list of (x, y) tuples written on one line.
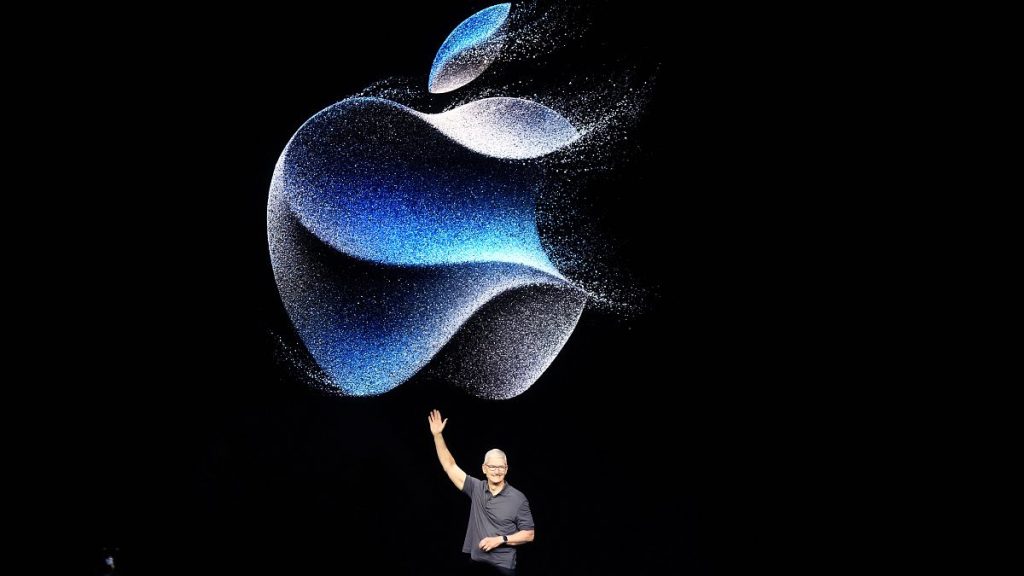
[(436, 424)]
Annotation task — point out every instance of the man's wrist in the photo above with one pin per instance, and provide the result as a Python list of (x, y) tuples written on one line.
[(504, 539)]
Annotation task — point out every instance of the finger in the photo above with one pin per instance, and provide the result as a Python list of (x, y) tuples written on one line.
[(445, 422)]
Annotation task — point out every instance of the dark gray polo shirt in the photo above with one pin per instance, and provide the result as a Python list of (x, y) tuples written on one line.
[(501, 515)]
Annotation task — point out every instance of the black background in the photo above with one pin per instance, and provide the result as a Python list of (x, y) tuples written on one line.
[(650, 446)]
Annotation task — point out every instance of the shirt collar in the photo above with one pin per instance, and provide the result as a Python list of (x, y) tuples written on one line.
[(487, 488)]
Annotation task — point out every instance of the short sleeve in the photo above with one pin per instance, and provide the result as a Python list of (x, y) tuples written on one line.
[(470, 486), (524, 518)]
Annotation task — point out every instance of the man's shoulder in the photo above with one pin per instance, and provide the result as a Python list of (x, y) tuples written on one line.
[(472, 483)]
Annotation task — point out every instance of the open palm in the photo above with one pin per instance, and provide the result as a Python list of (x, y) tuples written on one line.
[(436, 424)]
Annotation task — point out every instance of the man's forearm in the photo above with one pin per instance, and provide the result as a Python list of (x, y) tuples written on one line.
[(446, 458), (521, 537)]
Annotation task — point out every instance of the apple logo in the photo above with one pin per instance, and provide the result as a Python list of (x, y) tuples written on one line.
[(401, 240)]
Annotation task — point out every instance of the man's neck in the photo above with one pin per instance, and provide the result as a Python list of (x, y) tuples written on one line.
[(495, 488)]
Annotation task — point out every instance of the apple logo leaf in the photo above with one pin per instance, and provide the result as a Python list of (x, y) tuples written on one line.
[(469, 49)]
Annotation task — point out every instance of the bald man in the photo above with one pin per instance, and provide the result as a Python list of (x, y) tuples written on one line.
[(499, 515)]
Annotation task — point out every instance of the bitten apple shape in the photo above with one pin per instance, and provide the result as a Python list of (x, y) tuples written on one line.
[(400, 239)]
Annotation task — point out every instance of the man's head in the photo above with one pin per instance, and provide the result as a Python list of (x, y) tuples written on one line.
[(495, 466)]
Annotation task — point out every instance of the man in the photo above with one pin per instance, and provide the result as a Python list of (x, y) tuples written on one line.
[(499, 515)]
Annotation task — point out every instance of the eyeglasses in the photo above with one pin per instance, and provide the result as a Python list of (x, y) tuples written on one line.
[(495, 468)]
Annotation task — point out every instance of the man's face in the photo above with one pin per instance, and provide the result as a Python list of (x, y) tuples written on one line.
[(495, 469)]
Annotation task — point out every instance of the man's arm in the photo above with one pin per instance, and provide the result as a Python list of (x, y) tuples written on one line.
[(521, 537), (457, 476)]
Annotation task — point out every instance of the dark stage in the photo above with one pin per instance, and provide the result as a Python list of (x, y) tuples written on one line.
[(644, 446)]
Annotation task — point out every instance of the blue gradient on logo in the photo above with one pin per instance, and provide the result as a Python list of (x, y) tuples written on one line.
[(478, 32), (371, 195), (403, 241), (387, 236)]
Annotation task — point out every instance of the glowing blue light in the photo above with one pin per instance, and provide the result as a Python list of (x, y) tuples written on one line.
[(383, 196)]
